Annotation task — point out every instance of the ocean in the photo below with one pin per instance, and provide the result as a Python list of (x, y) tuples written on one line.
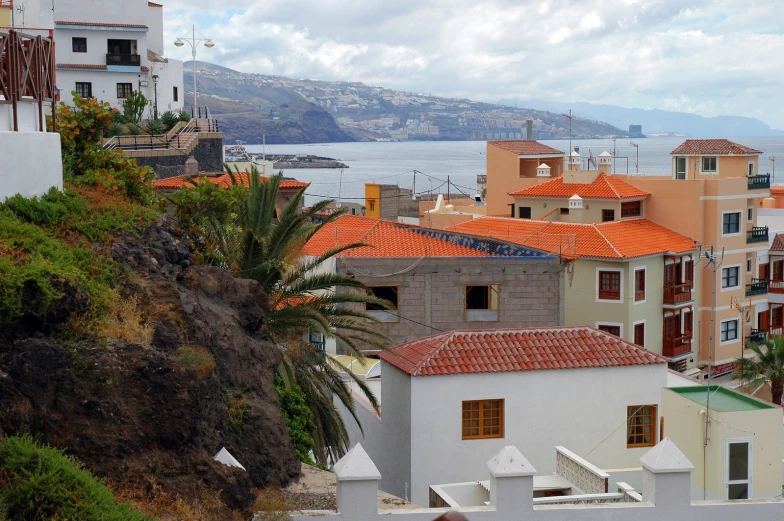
[(462, 161)]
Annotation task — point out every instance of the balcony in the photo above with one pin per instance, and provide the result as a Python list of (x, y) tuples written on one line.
[(759, 182), (757, 234), (677, 346), (131, 60), (757, 336), (757, 287), (678, 294), (776, 286)]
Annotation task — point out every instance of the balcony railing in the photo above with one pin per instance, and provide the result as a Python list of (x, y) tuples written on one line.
[(757, 234), (757, 287), (677, 346), (776, 286), (759, 182), (132, 60), (678, 294), (757, 336)]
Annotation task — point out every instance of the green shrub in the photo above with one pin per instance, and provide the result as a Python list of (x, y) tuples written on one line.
[(117, 129), (197, 359), (298, 417), (134, 129), (155, 128), (39, 482), (170, 118), (184, 116)]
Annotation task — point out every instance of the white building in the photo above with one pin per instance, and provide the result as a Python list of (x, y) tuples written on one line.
[(107, 49), (451, 401)]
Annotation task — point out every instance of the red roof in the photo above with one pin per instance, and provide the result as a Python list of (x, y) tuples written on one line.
[(603, 187), (153, 4), (80, 66), (618, 240), (97, 24), (383, 239), (511, 350), (778, 243), (177, 182), (525, 148), (719, 147)]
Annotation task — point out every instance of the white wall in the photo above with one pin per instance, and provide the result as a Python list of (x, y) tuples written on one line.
[(155, 23), (102, 11), (30, 163), (583, 410)]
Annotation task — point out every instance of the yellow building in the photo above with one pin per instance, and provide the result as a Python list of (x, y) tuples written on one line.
[(6, 9)]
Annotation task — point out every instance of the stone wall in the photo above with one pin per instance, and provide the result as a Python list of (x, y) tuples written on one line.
[(169, 163)]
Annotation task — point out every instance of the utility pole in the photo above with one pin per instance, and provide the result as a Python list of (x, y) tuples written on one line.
[(570, 129), (448, 187)]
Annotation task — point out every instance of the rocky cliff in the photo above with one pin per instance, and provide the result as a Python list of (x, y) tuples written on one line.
[(147, 415)]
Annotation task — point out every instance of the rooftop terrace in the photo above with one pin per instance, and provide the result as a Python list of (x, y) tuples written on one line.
[(721, 398)]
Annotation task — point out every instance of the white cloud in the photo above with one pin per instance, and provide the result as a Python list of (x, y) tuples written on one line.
[(705, 56)]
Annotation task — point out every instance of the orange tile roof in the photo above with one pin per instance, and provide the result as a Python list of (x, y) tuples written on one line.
[(777, 190), (98, 24), (177, 182), (513, 350), (778, 243), (603, 187), (712, 146), (618, 240), (525, 148), (153, 4)]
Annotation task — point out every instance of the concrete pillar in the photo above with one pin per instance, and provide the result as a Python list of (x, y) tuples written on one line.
[(191, 167), (511, 482), (357, 485), (666, 478)]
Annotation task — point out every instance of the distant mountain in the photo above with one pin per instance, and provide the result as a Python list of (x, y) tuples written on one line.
[(287, 110), (656, 120)]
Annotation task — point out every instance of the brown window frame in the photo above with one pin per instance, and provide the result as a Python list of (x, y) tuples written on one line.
[(477, 432), (606, 214), (631, 209), (124, 90), (776, 317), (84, 89), (610, 329), (638, 411), (609, 294), (639, 334), (639, 285)]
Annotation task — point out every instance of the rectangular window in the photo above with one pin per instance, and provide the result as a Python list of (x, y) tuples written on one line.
[(776, 318), (639, 334), (729, 330), (688, 324), (524, 212), (79, 44), (778, 270), (709, 164), (750, 213), (481, 302), (84, 89), (392, 295), (738, 469), (564, 211), (748, 265), (608, 215), (176, 94), (483, 419), (609, 285), (751, 169), (640, 426), (689, 271), (613, 330), (730, 277), (639, 285), (632, 209), (680, 168), (731, 223), (372, 206), (124, 90)]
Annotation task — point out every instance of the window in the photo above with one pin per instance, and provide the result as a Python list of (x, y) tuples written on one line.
[(730, 277), (640, 426), (729, 330), (688, 324), (124, 90), (748, 265), (609, 285), (84, 89), (390, 294), (680, 168), (738, 468), (639, 285), (633, 209), (613, 330), (778, 270), (524, 212), (688, 275), (750, 213), (481, 302), (175, 94), (79, 44), (731, 223), (639, 334), (564, 211), (776, 318), (372, 206), (483, 419), (608, 215), (751, 169), (709, 164)]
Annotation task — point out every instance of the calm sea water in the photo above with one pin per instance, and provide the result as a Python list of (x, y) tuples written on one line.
[(462, 161)]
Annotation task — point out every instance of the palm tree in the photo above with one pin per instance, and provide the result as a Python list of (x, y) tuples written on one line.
[(266, 246), (767, 367)]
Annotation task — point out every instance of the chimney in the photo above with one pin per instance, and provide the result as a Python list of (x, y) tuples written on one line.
[(191, 167), (576, 209), (529, 129), (605, 163)]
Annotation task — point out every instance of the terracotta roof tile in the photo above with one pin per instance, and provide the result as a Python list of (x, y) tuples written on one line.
[(80, 66), (525, 148), (777, 190), (513, 350), (620, 240), (97, 24), (153, 4), (778, 242), (603, 187), (177, 182), (712, 146)]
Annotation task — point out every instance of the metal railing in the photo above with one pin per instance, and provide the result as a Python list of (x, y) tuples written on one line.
[(776, 286), (132, 60), (180, 140), (759, 182), (757, 287), (757, 234), (199, 112), (678, 293)]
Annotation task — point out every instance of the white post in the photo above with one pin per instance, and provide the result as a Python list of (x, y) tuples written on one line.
[(357, 485), (666, 478), (511, 482), (194, 71)]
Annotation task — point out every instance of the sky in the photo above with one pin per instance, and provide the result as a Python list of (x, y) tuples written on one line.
[(708, 57)]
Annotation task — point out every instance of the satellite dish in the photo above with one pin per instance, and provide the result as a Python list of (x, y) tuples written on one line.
[(338, 205)]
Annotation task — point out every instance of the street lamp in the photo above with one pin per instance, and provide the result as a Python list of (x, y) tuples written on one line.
[(155, 89), (636, 163), (193, 42)]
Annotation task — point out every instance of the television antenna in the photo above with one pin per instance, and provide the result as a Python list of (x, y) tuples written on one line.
[(21, 10), (570, 116), (772, 160)]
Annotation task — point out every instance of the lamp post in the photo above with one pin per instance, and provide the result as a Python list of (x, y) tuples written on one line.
[(636, 163), (194, 43), (155, 103)]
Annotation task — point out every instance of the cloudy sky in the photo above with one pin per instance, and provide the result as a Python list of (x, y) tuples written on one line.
[(710, 57)]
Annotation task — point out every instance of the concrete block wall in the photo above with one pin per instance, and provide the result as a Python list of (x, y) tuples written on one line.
[(432, 291), (170, 163)]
